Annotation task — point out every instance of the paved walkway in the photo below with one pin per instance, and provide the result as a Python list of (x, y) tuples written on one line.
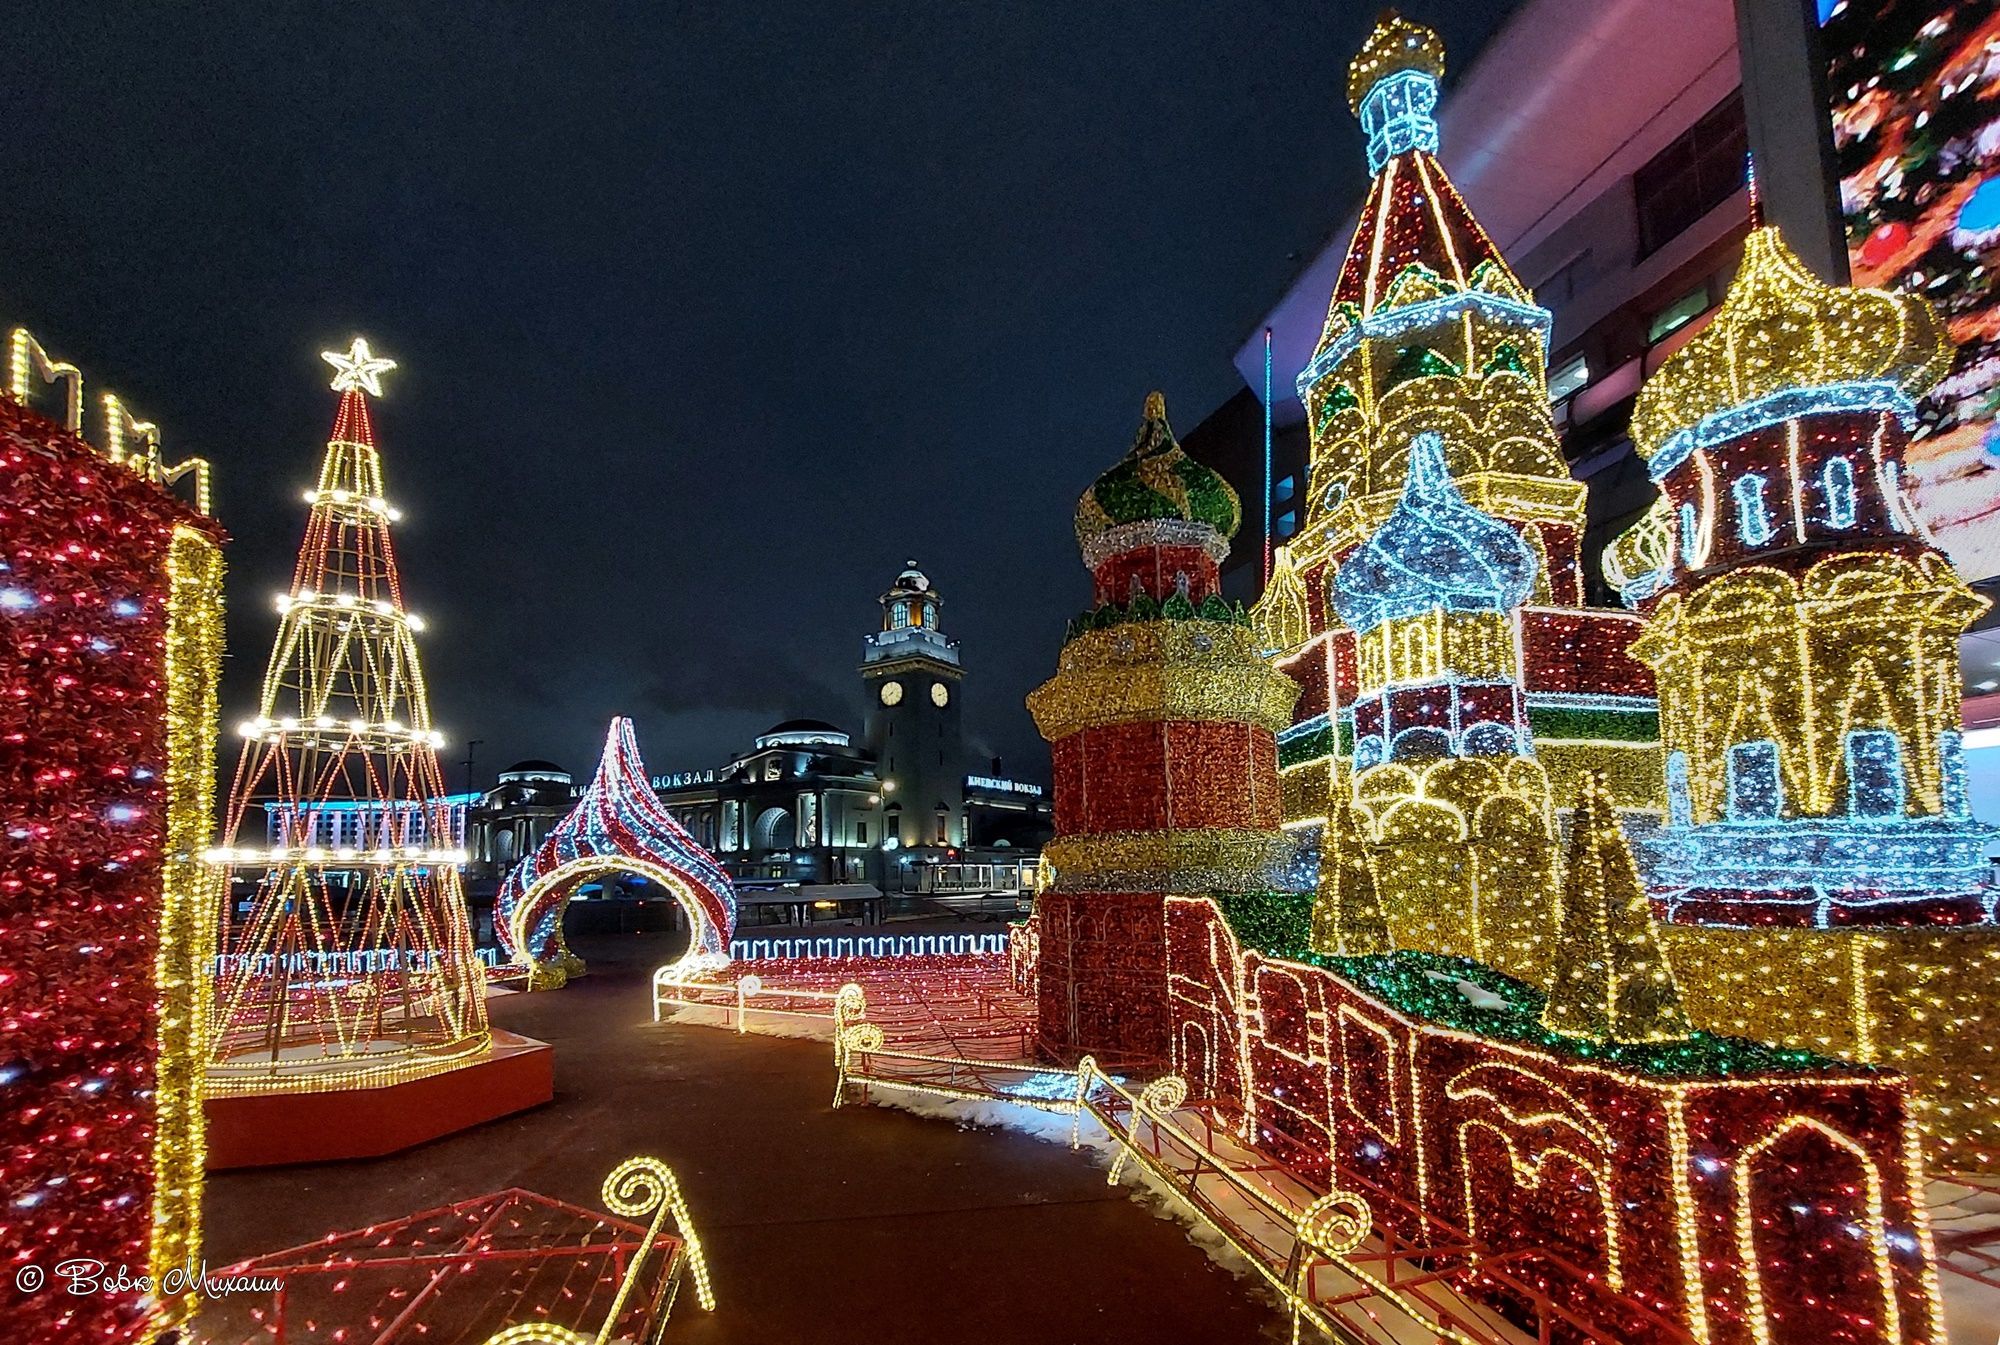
[(865, 1225)]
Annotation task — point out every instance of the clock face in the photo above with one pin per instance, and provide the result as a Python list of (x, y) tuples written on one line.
[(940, 695), (892, 693)]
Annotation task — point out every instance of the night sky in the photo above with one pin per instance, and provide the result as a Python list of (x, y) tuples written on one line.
[(708, 315)]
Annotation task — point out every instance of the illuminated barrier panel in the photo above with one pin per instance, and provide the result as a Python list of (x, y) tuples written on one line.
[(1748, 1194), (869, 946), (110, 645), (1919, 1000), (359, 962)]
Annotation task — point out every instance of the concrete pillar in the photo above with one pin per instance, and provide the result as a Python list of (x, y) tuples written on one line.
[(1786, 109)]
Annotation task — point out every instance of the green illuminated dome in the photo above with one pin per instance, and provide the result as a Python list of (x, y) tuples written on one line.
[(1157, 482)]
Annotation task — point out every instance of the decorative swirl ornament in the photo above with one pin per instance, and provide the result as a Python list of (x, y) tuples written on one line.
[(1333, 1226), (1086, 1074), (1158, 1098), (636, 1188), (852, 1034)]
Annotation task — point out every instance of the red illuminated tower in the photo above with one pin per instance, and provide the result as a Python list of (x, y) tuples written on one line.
[(1162, 721)]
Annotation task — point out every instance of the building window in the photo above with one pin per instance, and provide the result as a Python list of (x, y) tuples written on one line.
[(1874, 774), (1753, 519), (1678, 314), (1680, 808), (1690, 539), (1951, 774), (861, 833), (1287, 523), (1837, 484), (1570, 379), (1700, 170), (1755, 792)]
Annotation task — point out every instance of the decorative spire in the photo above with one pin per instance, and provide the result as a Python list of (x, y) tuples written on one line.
[(1612, 981), (1434, 551), (1397, 46), (1156, 482), (618, 822), (359, 369), (1784, 333), (1347, 919), (1393, 87)]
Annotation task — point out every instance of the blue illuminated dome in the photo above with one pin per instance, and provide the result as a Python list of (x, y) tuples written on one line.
[(1434, 551)]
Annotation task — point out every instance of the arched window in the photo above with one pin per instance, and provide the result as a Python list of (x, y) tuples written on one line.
[(1837, 484), (1369, 751), (1680, 808), (1753, 519), (1491, 740), (1755, 791), (1951, 774), (1875, 786), (1690, 543)]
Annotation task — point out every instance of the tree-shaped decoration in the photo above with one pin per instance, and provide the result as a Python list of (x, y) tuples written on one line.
[(1347, 918), (351, 963), (1612, 981)]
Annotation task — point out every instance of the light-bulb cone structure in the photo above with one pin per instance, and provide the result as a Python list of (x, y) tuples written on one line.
[(347, 956)]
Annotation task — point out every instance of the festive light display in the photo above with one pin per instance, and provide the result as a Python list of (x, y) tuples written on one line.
[(1430, 338), (1347, 919), (111, 597), (618, 826), (1722, 1190), (1162, 728), (521, 1265), (344, 715), (1610, 982), (1823, 878)]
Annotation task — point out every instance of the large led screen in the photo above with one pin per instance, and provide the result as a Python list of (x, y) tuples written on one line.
[(1915, 86)]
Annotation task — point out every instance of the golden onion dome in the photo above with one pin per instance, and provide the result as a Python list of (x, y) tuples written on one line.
[(1396, 44), (1782, 327), (1156, 482)]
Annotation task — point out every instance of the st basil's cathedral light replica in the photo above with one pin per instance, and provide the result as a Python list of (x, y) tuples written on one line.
[(1822, 878), (1430, 333), (1161, 722)]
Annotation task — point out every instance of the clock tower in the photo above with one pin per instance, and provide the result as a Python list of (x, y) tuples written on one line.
[(912, 673)]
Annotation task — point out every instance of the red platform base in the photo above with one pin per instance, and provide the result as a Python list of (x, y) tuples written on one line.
[(255, 1130)]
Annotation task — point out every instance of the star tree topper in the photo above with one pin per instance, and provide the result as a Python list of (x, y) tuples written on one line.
[(358, 368)]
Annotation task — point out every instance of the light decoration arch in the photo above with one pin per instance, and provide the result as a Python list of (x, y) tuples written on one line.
[(618, 826)]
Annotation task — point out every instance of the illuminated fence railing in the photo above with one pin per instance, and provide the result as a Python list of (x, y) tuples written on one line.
[(1357, 1265), (360, 962), (870, 945)]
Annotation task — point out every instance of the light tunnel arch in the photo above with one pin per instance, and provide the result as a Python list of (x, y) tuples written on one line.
[(535, 926), (618, 826)]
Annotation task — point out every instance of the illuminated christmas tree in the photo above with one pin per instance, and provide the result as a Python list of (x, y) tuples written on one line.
[(353, 962), (1611, 981), (1347, 916)]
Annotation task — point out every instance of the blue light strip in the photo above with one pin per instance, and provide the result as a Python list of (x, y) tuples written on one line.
[(1775, 408), (374, 805), (1267, 455), (1579, 700), (1387, 324), (1306, 726), (869, 945)]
